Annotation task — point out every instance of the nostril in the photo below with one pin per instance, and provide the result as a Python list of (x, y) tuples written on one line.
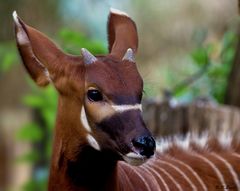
[(151, 142), (145, 144), (138, 143)]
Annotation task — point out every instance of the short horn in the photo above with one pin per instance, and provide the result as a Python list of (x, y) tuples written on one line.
[(129, 55), (88, 58)]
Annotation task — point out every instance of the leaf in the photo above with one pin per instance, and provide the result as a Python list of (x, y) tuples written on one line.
[(49, 117), (30, 132), (34, 101), (8, 60), (35, 185), (73, 41), (29, 157), (200, 56), (8, 56), (229, 40), (227, 56)]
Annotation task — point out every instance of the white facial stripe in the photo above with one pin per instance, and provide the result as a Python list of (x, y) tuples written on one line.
[(83, 119), (122, 108), (92, 141)]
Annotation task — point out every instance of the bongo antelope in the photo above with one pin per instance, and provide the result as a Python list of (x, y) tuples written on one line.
[(100, 139)]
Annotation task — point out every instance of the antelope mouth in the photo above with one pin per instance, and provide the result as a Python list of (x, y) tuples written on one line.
[(134, 159)]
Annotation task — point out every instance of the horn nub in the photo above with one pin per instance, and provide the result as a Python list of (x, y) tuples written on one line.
[(129, 55), (88, 58)]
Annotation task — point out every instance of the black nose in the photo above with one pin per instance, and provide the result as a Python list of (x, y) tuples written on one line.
[(145, 144)]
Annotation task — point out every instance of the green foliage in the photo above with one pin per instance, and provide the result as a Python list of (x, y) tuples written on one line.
[(29, 157), (30, 132), (200, 56), (212, 63), (44, 103), (36, 184), (8, 56), (72, 42), (218, 73)]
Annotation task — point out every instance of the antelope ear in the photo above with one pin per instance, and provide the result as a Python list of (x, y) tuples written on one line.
[(40, 55), (122, 33)]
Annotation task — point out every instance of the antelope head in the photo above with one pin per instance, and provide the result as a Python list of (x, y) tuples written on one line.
[(99, 96)]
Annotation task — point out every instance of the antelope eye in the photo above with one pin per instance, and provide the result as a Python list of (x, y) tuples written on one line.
[(94, 95)]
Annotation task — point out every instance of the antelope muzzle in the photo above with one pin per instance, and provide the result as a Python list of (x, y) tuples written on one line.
[(129, 132)]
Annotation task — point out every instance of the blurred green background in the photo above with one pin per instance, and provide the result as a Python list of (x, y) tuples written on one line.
[(186, 52)]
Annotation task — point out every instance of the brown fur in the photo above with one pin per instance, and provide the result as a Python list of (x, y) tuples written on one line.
[(122, 34), (200, 167), (75, 165)]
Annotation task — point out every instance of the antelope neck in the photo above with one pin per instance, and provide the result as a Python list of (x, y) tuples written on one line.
[(93, 170)]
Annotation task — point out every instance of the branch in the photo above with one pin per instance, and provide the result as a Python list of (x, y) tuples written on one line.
[(186, 82)]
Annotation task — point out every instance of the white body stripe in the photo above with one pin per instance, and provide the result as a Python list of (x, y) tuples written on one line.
[(180, 172), (160, 177), (84, 120), (143, 180), (230, 168), (147, 169), (168, 175), (210, 163), (193, 172), (225, 139), (122, 108), (127, 177), (236, 155)]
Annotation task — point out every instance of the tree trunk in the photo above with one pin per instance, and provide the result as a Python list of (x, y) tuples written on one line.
[(232, 96), (233, 87)]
